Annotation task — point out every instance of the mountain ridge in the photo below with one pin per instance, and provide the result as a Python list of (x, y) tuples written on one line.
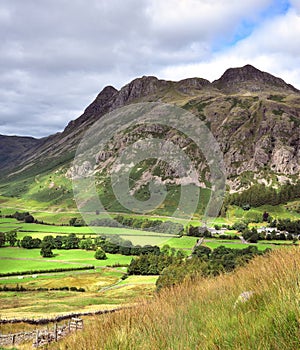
[(254, 116)]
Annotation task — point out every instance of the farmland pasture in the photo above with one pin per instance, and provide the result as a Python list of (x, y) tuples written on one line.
[(40, 231), (104, 290), (183, 242), (212, 244), (19, 259), (89, 280), (104, 287)]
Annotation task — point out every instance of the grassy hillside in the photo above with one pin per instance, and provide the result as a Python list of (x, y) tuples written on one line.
[(201, 314)]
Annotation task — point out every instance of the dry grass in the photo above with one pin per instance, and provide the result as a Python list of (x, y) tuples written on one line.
[(201, 314)]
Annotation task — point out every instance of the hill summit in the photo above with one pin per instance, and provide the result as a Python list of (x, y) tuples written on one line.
[(251, 79), (254, 116)]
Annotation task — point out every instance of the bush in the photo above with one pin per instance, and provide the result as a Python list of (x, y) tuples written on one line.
[(100, 254), (29, 219), (46, 251)]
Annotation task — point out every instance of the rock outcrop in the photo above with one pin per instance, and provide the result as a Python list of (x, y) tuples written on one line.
[(254, 116)]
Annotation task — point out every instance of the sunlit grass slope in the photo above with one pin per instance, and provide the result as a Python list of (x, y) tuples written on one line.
[(201, 314)]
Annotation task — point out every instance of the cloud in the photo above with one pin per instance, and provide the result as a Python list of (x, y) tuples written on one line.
[(56, 55), (272, 46)]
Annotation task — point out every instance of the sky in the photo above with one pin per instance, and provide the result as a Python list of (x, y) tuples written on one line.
[(57, 55)]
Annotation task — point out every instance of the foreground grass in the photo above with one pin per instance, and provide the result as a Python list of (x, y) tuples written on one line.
[(201, 314)]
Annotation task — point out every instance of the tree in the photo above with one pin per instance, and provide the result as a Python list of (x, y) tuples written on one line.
[(99, 241), (86, 244), (253, 238), (239, 226), (110, 247), (180, 254), (30, 243), (100, 254), (198, 231), (29, 219), (71, 242), (36, 243), (11, 237), (282, 236), (76, 222), (265, 216), (2, 239), (49, 240), (202, 252), (26, 242), (58, 240), (46, 251), (20, 216), (166, 249)]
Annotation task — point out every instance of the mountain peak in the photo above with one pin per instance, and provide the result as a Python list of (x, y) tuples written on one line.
[(251, 79), (139, 88), (103, 97)]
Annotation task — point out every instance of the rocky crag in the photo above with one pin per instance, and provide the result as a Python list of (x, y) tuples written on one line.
[(254, 116)]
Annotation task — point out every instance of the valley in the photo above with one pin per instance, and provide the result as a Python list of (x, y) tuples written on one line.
[(102, 280), (69, 249)]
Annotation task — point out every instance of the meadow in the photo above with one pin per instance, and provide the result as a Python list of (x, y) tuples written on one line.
[(104, 286), (206, 314), (236, 244), (19, 259)]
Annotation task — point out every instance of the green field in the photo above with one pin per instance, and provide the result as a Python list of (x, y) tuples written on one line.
[(104, 289), (277, 212), (183, 242), (40, 231), (236, 245), (104, 286), (19, 259)]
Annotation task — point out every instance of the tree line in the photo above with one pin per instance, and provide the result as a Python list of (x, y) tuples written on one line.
[(205, 262), (21, 288), (160, 226), (260, 194), (142, 224), (109, 244), (153, 263), (61, 269)]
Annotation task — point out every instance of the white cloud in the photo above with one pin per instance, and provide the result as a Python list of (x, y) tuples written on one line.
[(273, 46), (56, 55)]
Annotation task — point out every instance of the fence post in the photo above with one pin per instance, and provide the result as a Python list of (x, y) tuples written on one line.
[(55, 332), (37, 338)]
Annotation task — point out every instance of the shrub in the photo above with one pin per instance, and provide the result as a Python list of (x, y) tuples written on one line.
[(100, 254), (29, 219), (46, 251)]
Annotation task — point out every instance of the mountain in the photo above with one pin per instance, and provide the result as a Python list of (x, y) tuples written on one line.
[(254, 116), (248, 78), (13, 148)]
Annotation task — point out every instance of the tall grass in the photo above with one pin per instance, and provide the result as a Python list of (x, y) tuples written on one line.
[(200, 314)]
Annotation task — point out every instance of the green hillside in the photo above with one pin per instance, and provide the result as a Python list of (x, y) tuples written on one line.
[(209, 314)]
